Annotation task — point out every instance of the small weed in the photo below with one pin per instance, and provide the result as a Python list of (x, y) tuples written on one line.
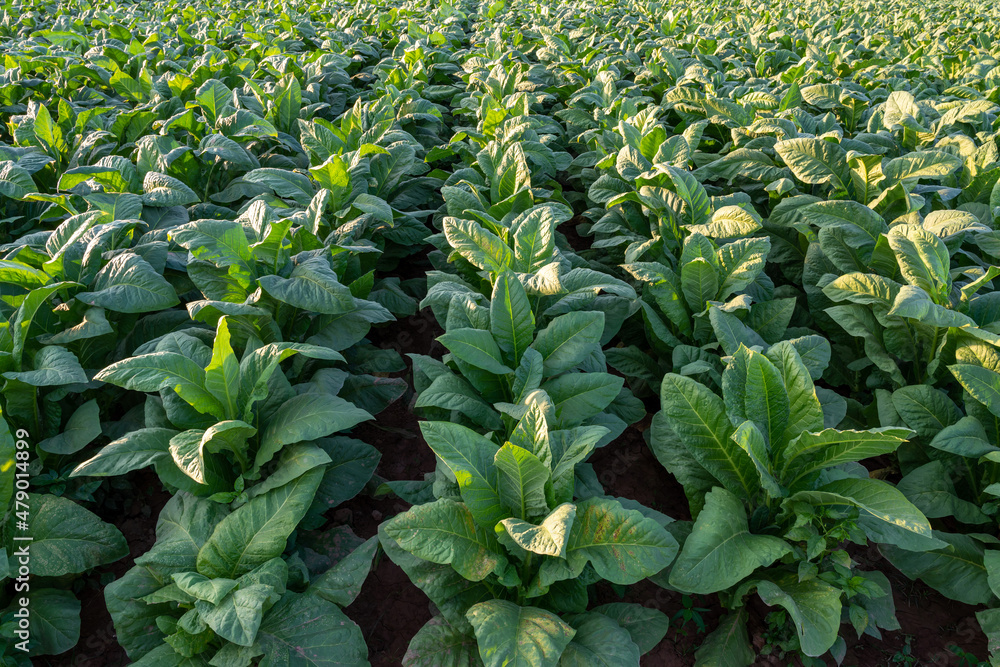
[(689, 614), (966, 659), (904, 656)]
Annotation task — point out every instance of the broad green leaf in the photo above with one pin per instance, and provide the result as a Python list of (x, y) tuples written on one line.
[(955, 570), (924, 409), (698, 207), (187, 450), (812, 452), (470, 458), (598, 641), (700, 283), (257, 531), (163, 190), (981, 383), (547, 538), (576, 445), (920, 164), (512, 321), (306, 417), (815, 353), (646, 626), (222, 242), (222, 375), (698, 417), (55, 621), (751, 440), (521, 481), (66, 538), (766, 401), (20, 324), (721, 550), (95, 323), (744, 162), (729, 222), (728, 645), (885, 513), (514, 636), (804, 410), (740, 262), (901, 108), (439, 644), (257, 367), (238, 616), (342, 583), (532, 234), (816, 161), (814, 607), (164, 370), (452, 392), (931, 490), (351, 465), (580, 396), (477, 245), (915, 303), (134, 619), (622, 545), (568, 340), (215, 100), (20, 274), (294, 461), (225, 150), (863, 288), (184, 525), (285, 183), (287, 103), (201, 587), (445, 532), (53, 366), (129, 284), (136, 449), (307, 631), (966, 437), (15, 182), (923, 258), (312, 286), (847, 213), (532, 433), (475, 347), (606, 188), (861, 322), (770, 319), (334, 175), (732, 332)]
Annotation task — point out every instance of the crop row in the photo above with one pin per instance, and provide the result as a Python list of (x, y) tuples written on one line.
[(767, 225)]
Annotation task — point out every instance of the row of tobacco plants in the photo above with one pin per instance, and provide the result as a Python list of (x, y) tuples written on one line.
[(769, 226)]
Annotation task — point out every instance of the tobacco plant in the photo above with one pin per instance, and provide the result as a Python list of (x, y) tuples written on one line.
[(521, 549), (777, 490)]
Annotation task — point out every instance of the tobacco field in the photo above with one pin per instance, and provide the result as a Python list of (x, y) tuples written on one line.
[(505, 334)]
